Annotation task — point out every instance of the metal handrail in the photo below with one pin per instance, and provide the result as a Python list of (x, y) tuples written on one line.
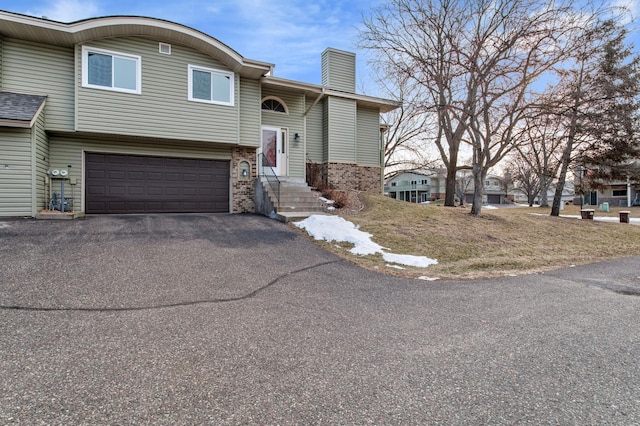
[(266, 169)]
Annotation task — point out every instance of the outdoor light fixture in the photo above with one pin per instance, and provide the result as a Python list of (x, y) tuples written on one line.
[(245, 169), (296, 137)]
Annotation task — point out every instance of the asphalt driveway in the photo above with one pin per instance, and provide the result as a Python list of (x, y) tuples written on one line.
[(237, 319)]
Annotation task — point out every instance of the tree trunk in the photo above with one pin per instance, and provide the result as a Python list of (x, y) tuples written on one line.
[(544, 189), (568, 149), (478, 188), (557, 198), (450, 187)]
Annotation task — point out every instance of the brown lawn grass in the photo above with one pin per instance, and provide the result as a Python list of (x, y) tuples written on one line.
[(500, 242)]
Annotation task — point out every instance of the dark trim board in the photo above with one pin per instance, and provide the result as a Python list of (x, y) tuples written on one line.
[(118, 183)]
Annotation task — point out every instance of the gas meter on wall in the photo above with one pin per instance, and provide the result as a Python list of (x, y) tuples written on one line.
[(61, 173), (57, 198)]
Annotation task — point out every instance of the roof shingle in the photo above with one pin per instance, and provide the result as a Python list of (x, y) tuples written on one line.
[(19, 106)]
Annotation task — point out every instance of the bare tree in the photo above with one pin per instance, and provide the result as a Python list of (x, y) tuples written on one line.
[(524, 176), (406, 141), (476, 60), (421, 40), (591, 116), (536, 159), (522, 41)]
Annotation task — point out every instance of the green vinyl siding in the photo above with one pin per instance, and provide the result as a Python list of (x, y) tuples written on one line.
[(250, 114), (69, 151), (368, 137), (1, 53), (15, 172), (314, 139), (339, 70), (341, 132), (44, 70), (162, 109), (41, 154), (294, 122)]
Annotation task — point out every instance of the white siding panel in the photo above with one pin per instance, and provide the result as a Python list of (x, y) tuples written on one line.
[(44, 70), (368, 137), (163, 109), (15, 172)]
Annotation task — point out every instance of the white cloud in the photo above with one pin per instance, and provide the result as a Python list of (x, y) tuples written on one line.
[(630, 9), (289, 33), (68, 10)]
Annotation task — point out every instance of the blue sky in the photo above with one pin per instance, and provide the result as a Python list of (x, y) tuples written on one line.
[(289, 33)]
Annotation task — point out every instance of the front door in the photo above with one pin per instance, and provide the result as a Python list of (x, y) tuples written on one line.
[(273, 150)]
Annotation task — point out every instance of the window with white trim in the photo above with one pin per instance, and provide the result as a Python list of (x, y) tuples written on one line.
[(210, 85), (108, 70)]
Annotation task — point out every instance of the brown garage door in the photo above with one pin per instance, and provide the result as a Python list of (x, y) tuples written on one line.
[(138, 184)]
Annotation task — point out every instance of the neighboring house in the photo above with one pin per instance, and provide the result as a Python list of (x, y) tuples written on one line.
[(414, 187), (430, 185), (618, 194), (494, 191), (135, 114), (520, 196)]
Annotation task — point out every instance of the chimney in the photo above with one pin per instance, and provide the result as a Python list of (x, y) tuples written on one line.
[(339, 70)]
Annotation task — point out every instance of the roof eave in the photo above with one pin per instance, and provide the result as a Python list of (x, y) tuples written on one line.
[(384, 105), (20, 124)]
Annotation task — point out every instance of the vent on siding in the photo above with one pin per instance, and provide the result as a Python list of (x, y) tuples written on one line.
[(164, 48)]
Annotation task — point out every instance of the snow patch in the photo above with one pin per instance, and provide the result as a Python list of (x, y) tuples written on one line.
[(326, 200), (395, 266), (336, 228)]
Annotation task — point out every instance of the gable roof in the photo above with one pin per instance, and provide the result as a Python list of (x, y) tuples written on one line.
[(20, 110)]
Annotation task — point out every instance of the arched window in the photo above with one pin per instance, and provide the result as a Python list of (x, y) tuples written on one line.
[(273, 104)]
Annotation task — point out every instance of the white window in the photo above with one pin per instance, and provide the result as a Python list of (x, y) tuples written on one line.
[(210, 85), (107, 70)]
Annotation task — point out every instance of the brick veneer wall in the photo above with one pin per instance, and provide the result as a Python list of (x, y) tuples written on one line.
[(351, 176), (242, 189)]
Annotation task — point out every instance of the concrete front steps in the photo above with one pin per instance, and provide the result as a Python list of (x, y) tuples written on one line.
[(296, 200)]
